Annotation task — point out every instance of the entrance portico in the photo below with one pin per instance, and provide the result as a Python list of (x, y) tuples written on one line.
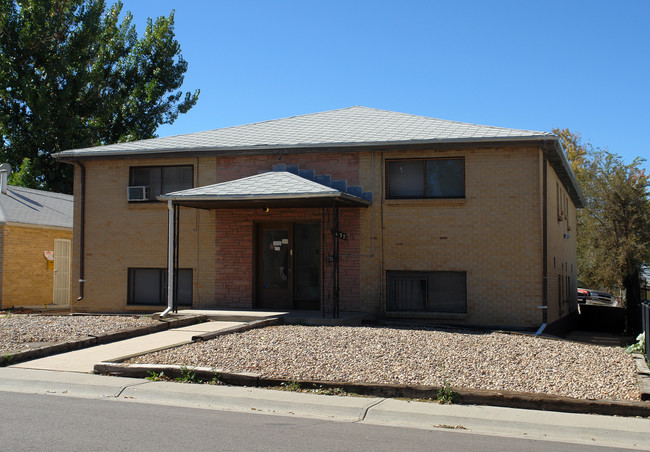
[(294, 239)]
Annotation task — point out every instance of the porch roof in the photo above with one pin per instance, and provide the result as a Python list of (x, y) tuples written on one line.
[(272, 189)]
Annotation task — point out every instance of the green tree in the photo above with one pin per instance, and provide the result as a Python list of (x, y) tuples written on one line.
[(24, 177), (613, 231), (73, 75)]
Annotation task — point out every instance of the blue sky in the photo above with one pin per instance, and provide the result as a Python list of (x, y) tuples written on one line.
[(584, 65)]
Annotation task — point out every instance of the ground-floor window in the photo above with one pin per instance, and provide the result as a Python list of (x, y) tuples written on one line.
[(434, 291), (148, 286)]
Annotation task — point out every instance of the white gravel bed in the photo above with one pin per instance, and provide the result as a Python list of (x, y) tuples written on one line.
[(462, 358), (20, 332)]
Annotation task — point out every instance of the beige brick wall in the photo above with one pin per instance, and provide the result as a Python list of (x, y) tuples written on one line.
[(561, 257), (494, 234), (119, 234), (26, 277)]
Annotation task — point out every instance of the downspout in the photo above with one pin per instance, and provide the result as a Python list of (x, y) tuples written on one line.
[(544, 243), (170, 258), (82, 232)]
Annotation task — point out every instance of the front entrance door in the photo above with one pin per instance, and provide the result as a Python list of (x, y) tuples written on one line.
[(274, 249), (288, 264)]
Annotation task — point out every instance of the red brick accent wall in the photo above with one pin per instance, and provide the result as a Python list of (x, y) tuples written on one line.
[(341, 166), (235, 253), (235, 229)]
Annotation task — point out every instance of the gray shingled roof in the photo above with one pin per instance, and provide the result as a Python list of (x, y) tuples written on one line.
[(280, 186), (35, 207), (353, 126)]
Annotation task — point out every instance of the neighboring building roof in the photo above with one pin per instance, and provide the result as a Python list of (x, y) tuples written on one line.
[(35, 207), (278, 188), (351, 126), (346, 128)]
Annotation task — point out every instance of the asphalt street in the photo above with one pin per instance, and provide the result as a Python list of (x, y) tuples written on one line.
[(55, 422)]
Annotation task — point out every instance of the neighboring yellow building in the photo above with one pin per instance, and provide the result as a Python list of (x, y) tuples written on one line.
[(355, 209), (35, 247)]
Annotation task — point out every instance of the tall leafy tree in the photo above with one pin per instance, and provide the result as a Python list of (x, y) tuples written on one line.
[(73, 75), (614, 228)]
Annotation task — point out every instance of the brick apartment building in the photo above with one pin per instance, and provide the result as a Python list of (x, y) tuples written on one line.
[(35, 246), (354, 209)]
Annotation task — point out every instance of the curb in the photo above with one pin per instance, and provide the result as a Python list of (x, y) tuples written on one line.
[(99, 339), (642, 375), (463, 396)]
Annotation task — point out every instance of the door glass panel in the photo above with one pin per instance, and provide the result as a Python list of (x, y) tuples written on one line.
[(306, 261), (276, 259)]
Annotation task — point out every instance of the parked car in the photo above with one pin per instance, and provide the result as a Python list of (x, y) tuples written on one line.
[(595, 297)]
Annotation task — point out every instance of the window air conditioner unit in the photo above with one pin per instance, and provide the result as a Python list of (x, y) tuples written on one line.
[(137, 193)]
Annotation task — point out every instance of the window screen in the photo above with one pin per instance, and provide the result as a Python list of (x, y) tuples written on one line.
[(148, 286), (427, 291)]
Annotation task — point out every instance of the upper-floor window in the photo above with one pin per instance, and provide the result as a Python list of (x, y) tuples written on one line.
[(158, 180), (562, 205), (430, 178)]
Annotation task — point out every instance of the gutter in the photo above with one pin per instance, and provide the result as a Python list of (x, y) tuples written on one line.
[(238, 150), (559, 161), (262, 198)]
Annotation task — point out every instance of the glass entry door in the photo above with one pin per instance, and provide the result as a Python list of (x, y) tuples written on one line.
[(273, 265), (288, 264), (306, 264)]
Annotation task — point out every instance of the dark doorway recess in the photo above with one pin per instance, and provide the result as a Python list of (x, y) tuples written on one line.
[(288, 266)]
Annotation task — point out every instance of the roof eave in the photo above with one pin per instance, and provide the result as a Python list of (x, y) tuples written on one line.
[(222, 201), (72, 155), (567, 176)]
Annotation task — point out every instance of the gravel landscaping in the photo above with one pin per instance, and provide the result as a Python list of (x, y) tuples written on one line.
[(461, 358), (19, 332)]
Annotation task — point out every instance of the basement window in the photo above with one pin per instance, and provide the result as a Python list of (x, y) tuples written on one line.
[(148, 286), (420, 178), (434, 291)]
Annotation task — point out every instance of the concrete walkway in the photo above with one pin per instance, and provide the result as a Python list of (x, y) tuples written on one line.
[(84, 360)]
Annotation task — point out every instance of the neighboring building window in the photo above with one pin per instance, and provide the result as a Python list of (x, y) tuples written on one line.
[(148, 286), (433, 178), (161, 179), (435, 291)]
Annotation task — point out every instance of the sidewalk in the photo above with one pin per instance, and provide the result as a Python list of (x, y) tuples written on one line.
[(84, 360), (594, 430)]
